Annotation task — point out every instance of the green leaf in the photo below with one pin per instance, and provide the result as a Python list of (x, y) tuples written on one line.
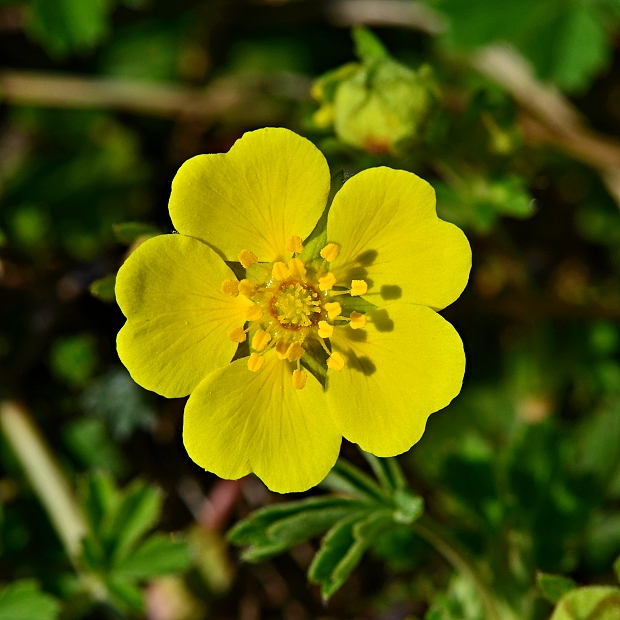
[(99, 497), (617, 568), (137, 513), (103, 288), (387, 471), (124, 596), (589, 603), (158, 555), (128, 232), (346, 478), (554, 587), (23, 600), (65, 26), (368, 47), (409, 507), (274, 529)]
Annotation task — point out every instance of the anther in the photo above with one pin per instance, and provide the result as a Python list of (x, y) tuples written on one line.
[(358, 287), (253, 313), (295, 352), (325, 329), (230, 287), (280, 271), (333, 309), (299, 379), (296, 267), (247, 259), (282, 348), (237, 334), (330, 251), (327, 281), (255, 362), (335, 361), (247, 288), (293, 244), (358, 320), (260, 340)]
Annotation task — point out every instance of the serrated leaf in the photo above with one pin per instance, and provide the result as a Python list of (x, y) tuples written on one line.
[(137, 512), (334, 547), (387, 471), (103, 288), (368, 47), (23, 599), (158, 555), (128, 232), (554, 587), (348, 479)]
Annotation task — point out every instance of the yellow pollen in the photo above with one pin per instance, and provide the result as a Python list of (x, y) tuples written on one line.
[(327, 281), (299, 379), (325, 329), (335, 361), (281, 349), (253, 313), (230, 287), (293, 244), (296, 305), (237, 334), (280, 271), (260, 340), (358, 287), (295, 352), (330, 251), (296, 267), (247, 288), (255, 362), (333, 309), (247, 259), (358, 320)]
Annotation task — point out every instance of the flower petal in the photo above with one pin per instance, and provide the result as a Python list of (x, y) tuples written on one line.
[(178, 318), (406, 364), (238, 421), (271, 185), (385, 223)]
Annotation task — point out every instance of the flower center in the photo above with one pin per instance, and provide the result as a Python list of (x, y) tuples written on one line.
[(296, 304)]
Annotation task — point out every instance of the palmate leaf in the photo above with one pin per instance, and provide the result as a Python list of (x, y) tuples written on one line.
[(23, 600), (361, 511)]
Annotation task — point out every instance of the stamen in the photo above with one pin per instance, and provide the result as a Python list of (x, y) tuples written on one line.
[(322, 342), (358, 287), (293, 244), (281, 349), (255, 362), (335, 361), (237, 334), (299, 379), (295, 352), (330, 251), (325, 329), (247, 259), (327, 281), (333, 309), (247, 288), (253, 313), (230, 287), (358, 320), (280, 271), (260, 340), (297, 267)]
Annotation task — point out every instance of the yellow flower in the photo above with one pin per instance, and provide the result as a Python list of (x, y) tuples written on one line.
[(387, 369)]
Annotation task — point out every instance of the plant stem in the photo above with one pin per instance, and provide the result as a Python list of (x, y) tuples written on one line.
[(45, 476), (459, 559)]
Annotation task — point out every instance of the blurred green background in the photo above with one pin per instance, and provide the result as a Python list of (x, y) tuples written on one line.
[(510, 109)]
